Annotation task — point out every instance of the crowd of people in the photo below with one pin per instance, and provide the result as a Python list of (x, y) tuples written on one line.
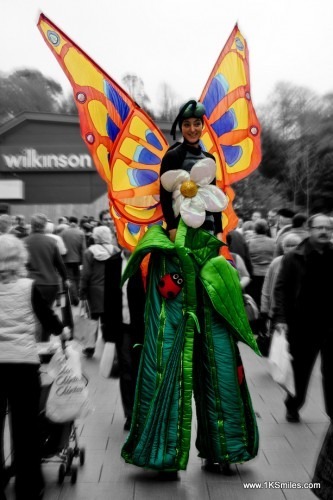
[(40, 261), (290, 257), (282, 261), (189, 342)]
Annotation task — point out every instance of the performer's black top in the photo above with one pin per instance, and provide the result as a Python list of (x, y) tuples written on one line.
[(184, 156)]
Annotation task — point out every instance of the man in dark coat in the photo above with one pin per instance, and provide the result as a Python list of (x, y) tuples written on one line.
[(303, 309)]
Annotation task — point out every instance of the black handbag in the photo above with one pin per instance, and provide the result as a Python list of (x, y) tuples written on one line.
[(66, 309)]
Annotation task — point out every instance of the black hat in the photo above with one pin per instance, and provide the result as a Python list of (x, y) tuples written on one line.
[(286, 212), (191, 109)]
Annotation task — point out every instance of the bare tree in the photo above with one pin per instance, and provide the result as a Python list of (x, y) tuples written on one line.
[(136, 89), (169, 101)]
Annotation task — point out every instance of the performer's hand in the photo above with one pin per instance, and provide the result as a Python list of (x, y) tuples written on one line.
[(172, 234), (219, 236)]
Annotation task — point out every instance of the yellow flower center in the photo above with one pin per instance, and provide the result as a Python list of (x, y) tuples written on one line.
[(189, 189)]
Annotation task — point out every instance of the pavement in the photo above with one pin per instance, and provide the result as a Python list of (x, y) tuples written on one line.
[(287, 452)]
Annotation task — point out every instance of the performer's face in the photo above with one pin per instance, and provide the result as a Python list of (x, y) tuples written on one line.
[(192, 129)]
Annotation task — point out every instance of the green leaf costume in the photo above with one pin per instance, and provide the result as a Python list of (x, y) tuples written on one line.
[(191, 347)]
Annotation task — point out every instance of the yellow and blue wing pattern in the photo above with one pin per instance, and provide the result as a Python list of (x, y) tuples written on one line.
[(126, 145), (232, 129)]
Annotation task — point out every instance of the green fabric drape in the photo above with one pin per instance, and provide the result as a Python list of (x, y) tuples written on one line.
[(191, 346)]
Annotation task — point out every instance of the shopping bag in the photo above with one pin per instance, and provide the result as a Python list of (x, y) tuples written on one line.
[(85, 329), (106, 362), (280, 363), (68, 397), (251, 307)]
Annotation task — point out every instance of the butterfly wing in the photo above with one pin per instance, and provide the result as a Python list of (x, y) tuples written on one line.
[(232, 129), (125, 144)]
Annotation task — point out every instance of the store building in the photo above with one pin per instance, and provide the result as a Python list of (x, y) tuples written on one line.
[(46, 167)]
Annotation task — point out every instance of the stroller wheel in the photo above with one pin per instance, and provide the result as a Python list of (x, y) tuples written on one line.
[(82, 456), (61, 473), (70, 456), (74, 474)]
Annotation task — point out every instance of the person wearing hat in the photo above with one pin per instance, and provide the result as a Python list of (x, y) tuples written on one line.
[(193, 318), (184, 155)]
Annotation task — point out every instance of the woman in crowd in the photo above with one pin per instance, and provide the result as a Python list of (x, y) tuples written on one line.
[(100, 284), (20, 301), (194, 316)]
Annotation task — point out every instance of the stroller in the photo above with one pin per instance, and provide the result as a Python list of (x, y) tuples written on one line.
[(59, 442)]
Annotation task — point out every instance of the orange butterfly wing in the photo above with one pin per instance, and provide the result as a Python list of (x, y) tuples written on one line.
[(232, 129), (126, 145)]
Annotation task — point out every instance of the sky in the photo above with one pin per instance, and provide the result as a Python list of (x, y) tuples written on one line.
[(177, 41)]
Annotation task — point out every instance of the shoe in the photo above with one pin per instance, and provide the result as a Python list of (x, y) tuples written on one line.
[(210, 466), (168, 475), (226, 470), (88, 352), (292, 416), (127, 425), (218, 468)]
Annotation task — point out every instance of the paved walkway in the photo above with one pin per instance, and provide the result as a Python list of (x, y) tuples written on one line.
[(287, 453)]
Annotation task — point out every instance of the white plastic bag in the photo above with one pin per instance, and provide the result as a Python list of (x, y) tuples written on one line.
[(68, 398), (85, 329), (280, 363), (107, 359)]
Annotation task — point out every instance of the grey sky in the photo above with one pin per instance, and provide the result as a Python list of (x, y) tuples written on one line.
[(178, 41)]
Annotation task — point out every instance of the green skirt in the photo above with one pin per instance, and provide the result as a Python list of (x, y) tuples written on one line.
[(191, 348)]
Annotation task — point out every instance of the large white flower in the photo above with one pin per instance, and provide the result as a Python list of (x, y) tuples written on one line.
[(192, 192)]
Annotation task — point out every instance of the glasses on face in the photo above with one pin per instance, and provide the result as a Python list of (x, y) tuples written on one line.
[(322, 228)]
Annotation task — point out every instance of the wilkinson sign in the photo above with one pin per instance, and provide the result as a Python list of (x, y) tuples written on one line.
[(29, 159)]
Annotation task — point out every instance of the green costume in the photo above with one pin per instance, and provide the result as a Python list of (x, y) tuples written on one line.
[(191, 346)]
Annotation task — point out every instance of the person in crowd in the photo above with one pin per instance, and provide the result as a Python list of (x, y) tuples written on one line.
[(20, 230), (105, 219), (92, 221), (87, 228), (63, 224), (323, 473), (256, 215), (272, 221), (45, 263), (285, 216), (298, 226), (302, 310), (248, 230), (130, 339), (261, 249), (237, 244), (189, 343), (289, 243), (20, 302), (75, 243), (4, 224), (49, 231), (240, 223), (100, 284)]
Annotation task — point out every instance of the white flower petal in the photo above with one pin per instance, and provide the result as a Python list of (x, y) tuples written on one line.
[(203, 172), (192, 211), (178, 198), (173, 178), (214, 198)]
